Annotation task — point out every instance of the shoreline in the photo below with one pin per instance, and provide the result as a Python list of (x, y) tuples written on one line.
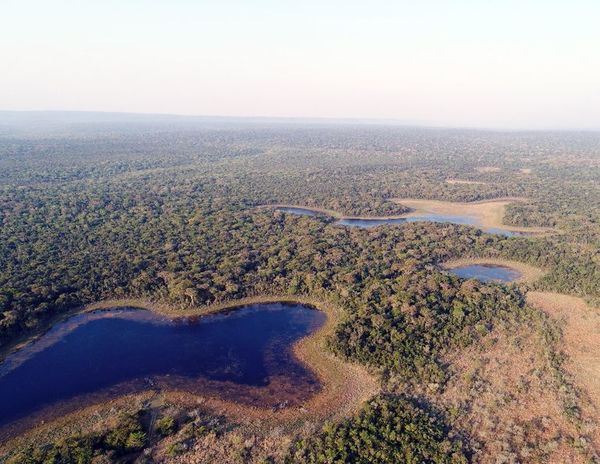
[(333, 214), (163, 309), (489, 213), (528, 273), (345, 386)]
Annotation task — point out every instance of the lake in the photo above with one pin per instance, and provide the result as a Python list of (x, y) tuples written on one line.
[(486, 272), (366, 223), (243, 355)]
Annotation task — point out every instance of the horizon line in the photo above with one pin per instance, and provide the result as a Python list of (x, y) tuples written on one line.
[(308, 119)]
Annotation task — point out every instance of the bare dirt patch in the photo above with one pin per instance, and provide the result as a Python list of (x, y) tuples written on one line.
[(528, 273)]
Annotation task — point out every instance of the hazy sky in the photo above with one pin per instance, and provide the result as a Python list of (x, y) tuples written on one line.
[(456, 63)]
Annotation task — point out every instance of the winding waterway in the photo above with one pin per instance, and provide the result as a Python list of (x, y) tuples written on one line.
[(243, 355), (366, 223)]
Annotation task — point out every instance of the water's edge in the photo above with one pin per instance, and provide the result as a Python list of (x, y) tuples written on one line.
[(70, 323)]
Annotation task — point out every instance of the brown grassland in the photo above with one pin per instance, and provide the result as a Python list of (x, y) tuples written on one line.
[(511, 398), (580, 325), (489, 214)]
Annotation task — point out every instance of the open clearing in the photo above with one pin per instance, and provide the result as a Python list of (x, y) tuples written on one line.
[(502, 392), (486, 169), (580, 342), (489, 214)]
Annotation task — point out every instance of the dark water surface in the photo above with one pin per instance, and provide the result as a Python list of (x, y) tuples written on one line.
[(487, 273), (244, 355)]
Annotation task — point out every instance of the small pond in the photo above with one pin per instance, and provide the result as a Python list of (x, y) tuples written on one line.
[(486, 272), (505, 232), (243, 355), (366, 223), (298, 211)]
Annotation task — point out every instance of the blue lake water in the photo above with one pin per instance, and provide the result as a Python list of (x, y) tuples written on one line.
[(244, 355), (368, 223), (441, 218), (298, 211), (430, 217), (487, 273), (445, 218)]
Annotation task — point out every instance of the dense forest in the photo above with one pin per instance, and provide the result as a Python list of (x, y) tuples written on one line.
[(403, 433), (168, 213)]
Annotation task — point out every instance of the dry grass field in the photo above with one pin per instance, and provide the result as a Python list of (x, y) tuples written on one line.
[(489, 214), (505, 395), (580, 343)]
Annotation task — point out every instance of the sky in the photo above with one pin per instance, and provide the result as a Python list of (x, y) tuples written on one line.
[(500, 64)]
